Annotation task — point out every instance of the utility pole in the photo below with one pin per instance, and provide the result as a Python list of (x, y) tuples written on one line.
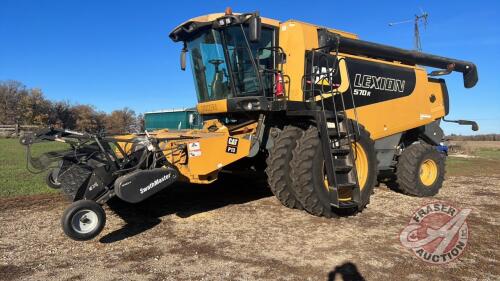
[(422, 18)]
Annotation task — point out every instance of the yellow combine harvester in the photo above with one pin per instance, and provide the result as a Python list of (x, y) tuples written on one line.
[(329, 112)]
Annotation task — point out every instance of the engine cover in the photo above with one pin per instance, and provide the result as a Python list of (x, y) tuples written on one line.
[(141, 184)]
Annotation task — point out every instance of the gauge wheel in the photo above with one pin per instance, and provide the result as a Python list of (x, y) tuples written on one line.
[(83, 220), (51, 179)]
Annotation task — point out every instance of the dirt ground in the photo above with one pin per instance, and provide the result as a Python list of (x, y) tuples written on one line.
[(236, 230)]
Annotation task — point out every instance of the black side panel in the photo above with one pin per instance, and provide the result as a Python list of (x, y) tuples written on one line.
[(377, 82), (139, 185), (370, 82), (432, 133)]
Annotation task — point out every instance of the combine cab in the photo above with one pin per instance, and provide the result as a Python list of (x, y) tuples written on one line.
[(330, 113)]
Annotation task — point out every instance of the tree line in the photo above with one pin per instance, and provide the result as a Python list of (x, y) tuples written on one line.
[(28, 106), (485, 137)]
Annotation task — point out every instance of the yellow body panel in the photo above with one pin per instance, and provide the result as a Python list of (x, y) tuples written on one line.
[(398, 115), (295, 38), (211, 107), (214, 16)]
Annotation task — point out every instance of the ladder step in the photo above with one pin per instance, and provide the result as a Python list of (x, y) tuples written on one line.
[(340, 117), (347, 185), (340, 151), (343, 169), (347, 204), (334, 133), (331, 125)]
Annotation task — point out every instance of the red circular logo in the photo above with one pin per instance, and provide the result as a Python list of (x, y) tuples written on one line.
[(437, 232)]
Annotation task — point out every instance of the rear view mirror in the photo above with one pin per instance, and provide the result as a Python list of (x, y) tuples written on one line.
[(183, 59), (255, 28), (473, 124)]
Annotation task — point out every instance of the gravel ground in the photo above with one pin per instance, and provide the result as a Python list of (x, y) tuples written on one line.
[(238, 231)]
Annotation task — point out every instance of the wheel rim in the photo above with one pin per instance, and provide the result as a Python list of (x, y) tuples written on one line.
[(54, 181), (361, 162), (84, 221), (428, 172)]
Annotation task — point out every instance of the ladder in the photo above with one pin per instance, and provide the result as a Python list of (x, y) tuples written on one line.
[(336, 131)]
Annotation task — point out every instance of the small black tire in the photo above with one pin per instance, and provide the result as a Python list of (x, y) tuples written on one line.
[(307, 170), (83, 220), (278, 166), (51, 179), (408, 177)]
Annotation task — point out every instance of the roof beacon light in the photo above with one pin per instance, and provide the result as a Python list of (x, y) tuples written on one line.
[(228, 11)]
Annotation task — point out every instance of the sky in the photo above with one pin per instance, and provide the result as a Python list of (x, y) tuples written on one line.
[(116, 54)]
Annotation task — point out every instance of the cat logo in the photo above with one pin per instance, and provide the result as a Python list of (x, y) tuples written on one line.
[(232, 145)]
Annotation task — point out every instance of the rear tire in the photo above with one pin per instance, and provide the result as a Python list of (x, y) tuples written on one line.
[(278, 166), (83, 220), (308, 176), (420, 171)]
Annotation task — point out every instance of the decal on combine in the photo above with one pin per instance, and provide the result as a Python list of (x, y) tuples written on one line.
[(232, 145), (372, 82), (378, 83), (361, 82), (194, 149)]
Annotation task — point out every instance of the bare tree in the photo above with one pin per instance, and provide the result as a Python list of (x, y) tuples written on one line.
[(141, 124), (19, 105), (121, 121), (86, 118), (61, 115), (11, 95)]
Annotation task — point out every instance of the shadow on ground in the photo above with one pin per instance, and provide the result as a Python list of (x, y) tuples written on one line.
[(347, 272), (185, 200)]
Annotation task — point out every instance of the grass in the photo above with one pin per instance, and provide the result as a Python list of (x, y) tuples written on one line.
[(491, 154), (486, 163), (14, 178)]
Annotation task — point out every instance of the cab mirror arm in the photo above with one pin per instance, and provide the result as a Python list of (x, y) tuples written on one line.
[(183, 57)]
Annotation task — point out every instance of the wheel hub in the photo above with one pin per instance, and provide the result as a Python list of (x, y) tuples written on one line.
[(428, 172), (84, 221)]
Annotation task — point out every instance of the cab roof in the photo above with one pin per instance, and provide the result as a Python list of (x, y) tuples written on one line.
[(209, 18)]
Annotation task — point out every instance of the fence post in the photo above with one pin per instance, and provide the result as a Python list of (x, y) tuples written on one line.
[(17, 130)]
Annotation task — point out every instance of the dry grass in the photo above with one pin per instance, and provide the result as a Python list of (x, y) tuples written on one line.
[(469, 147)]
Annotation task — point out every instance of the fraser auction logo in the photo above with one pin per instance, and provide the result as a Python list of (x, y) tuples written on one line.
[(437, 232)]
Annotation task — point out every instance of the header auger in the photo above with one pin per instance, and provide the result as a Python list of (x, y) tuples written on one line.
[(330, 113)]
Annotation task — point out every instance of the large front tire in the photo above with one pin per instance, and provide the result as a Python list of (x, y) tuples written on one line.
[(278, 166), (308, 172)]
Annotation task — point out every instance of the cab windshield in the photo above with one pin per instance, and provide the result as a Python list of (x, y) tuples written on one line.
[(222, 63)]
